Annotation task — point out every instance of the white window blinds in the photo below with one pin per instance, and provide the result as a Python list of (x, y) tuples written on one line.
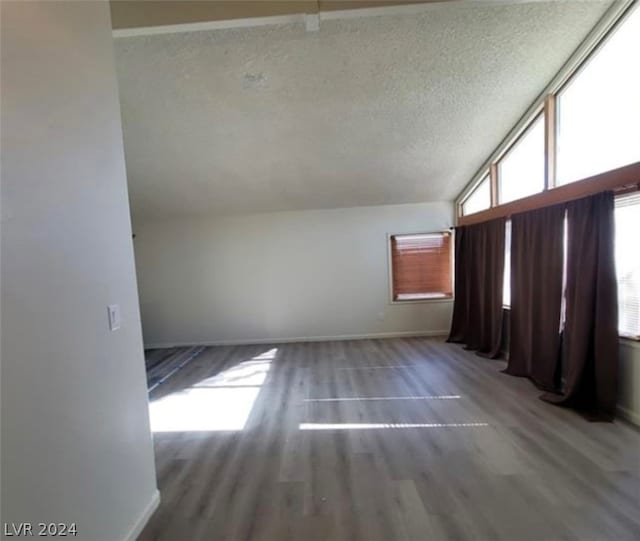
[(627, 216)]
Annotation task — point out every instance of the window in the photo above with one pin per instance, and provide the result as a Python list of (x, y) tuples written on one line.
[(590, 120), (521, 171), (599, 109), (627, 216), (421, 266), (506, 284), (479, 199)]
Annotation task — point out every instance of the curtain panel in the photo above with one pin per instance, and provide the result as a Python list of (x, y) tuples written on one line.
[(537, 239), (479, 273), (590, 343)]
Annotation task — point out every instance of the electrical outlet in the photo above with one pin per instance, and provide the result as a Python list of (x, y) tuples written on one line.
[(114, 317)]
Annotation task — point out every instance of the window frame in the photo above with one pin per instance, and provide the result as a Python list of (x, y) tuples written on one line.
[(425, 300), (546, 105)]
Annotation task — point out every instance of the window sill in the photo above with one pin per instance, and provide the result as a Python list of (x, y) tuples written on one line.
[(630, 342), (423, 300)]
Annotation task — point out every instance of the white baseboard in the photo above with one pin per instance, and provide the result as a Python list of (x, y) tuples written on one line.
[(629, 415), (139, 525), (242, 342)]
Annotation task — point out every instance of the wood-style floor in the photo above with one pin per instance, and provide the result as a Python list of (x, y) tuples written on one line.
[(161, 364), (381, 440)]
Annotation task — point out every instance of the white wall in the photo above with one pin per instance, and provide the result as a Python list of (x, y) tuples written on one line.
[(76, 444), (284, 275), (629, 381)]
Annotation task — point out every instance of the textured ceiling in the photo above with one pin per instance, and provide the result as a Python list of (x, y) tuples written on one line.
[(387, 109)]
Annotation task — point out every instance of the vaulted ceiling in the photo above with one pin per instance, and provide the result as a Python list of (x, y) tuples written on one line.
[(365, 111)]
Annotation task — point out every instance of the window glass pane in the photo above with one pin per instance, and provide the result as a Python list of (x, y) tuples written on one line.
[(627, 216), (480, 198), (506, 286), (565, 248), (521, 171), (599, 110)]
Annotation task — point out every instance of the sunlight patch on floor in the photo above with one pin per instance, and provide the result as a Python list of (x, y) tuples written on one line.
[(378, 367), (373, 398), (220, 403), (368, 426)]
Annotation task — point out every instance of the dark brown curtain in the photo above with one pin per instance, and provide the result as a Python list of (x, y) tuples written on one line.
[(590, 349), (479, 271), (462, 278), (536, 295)]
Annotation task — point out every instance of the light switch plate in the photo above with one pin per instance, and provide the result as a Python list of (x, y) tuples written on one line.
[(114, 316)]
